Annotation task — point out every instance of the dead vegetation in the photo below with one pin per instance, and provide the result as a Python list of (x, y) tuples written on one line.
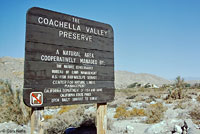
[(67, 108), (195, 115), (47, 117), (155, 113), (198, 98), (122, 113), (63, 110), (12, 107), (72, 116), (177, 94), (180, 105)]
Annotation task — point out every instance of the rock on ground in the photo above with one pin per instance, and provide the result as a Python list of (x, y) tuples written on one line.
[(174, 126)]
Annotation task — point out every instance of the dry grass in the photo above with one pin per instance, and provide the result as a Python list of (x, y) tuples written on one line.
[(142, 89), (73, 118), (126, 92), (169, 101), (18, 73), (122, 113), (67, 108), (137, 112), (150, 99), (63, 110), (180, 105), (139, 98), (110, 123), (155, 113), (139, 93), (47, 117), (12, 107), (195, 115), (198, 98)]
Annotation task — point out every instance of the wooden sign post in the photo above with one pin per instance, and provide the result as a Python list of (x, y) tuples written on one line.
[(101, 118), (37, 121), (68, 60)]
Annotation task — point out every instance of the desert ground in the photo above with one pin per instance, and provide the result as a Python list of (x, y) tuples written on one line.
[(141, 106)]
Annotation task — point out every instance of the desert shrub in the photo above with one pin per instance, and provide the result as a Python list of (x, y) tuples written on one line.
[(198, 98), (127, 91), (127, 103), (131, 97), (148, 85), (161, 89), (169, 101), (112, 105), (67, 108), (180, 105), (155, 113), (109, 123), (193, 93), (177, 93), (12, 107), (139, 98), (18, 73), (196, 86), (195, 115), (137, 112), (180, 82), (122, 113), (165, 86), (142, 89), (158, 96), (47, 117), (150, 98), (187, 85), (72, 118), (188, 96), (61, 111), (134, 85)]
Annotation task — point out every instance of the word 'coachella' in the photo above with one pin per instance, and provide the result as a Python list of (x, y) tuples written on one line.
[(75, 27)]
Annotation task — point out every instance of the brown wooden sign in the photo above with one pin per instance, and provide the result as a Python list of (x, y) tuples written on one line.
[(68, 60)]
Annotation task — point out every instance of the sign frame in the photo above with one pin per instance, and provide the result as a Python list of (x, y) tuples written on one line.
[(76, 44)]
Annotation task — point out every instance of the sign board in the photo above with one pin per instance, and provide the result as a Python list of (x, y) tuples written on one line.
[(68, 60)]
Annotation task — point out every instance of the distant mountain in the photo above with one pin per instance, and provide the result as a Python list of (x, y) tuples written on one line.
[(192, 82), (124, 78), (12, 69)]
